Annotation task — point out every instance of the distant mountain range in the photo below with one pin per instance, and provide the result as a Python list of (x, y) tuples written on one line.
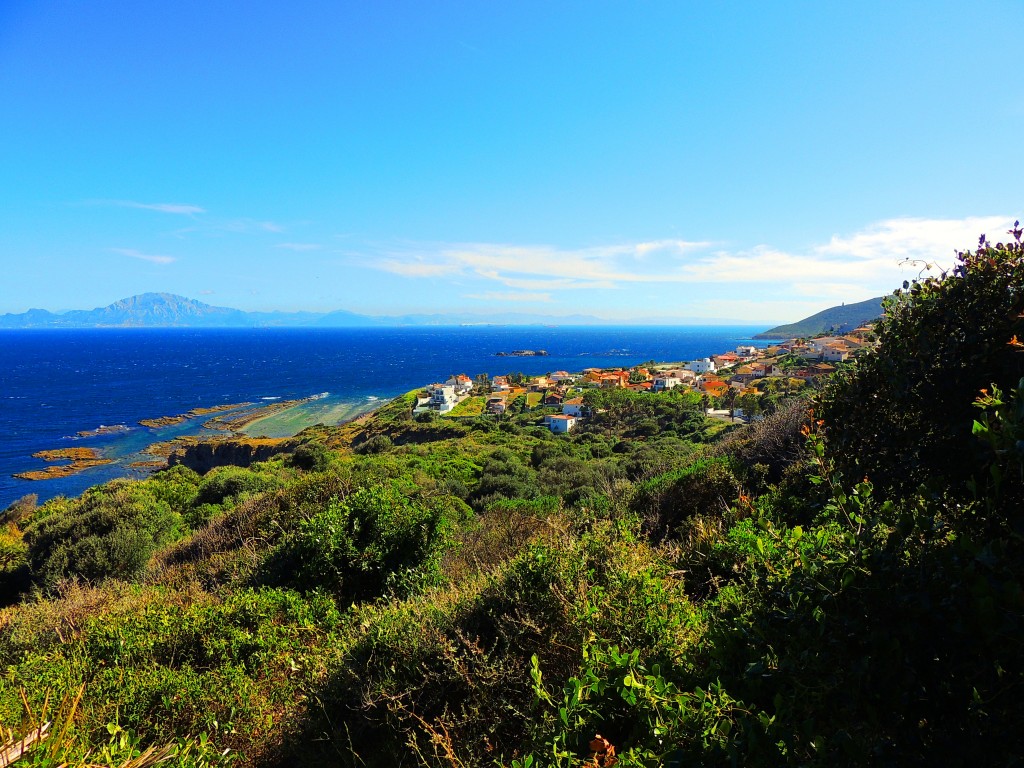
[(841, 319), (165, 310)]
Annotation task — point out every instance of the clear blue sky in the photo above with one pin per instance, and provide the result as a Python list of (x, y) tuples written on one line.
[(753, 161)]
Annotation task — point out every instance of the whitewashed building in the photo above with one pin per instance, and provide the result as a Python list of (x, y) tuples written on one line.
[(662, 383), (573, 407), (442, 398), (707, 365), (561, 423)]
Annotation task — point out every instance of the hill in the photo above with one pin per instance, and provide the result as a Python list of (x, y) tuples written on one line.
[(145, 310), (839, 319)]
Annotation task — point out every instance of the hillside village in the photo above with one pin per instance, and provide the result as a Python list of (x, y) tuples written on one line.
[(735, 384)]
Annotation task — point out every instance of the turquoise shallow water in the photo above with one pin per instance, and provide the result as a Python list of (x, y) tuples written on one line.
[(55, 383)]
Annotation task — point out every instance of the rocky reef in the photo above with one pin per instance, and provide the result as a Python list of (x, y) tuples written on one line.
[(80, 459), (170, 421)]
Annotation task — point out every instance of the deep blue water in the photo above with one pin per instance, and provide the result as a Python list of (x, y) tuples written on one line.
[(55, 383)]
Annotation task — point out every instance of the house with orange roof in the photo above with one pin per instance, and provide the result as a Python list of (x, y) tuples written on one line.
[(641, 372), (539, 383), (716, 388), (573, 406), (461, 383), (614, 379)]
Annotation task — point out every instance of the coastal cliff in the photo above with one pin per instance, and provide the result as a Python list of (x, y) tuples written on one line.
[(204, 456)]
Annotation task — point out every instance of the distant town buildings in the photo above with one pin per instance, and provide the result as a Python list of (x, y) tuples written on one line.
[(720, 378)]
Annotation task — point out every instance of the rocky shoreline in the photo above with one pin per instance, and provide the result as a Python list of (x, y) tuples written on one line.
[(225, 443)]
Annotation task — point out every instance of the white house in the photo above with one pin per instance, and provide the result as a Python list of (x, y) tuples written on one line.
[(707, 365), (835, 354), (684, 375), (561, 424), (819, 344), (442, 397), (561, 376), (461, 384), (573, 407), (666, 382), (746, 351)]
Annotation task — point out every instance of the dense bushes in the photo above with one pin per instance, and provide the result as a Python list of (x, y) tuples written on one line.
[(903, 416), (705, 487), (376, 539), (111, 530), (232, 482)]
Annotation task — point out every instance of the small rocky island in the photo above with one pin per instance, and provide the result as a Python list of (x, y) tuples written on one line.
[(523, 353), (79, 460)]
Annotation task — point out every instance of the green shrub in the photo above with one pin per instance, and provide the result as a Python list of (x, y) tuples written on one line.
[(221, 483), (111, 530), (707, 486), (313, 456), (377, 539), (178, 486), (376, 444)]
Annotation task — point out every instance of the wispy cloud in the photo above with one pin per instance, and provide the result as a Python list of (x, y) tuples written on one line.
[(300, 246), (180, 209), (416, 268), (869, 261), (230, 227), (541, 266), (152, 258)]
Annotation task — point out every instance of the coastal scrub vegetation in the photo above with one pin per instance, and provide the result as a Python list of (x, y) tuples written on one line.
[(839, 583)]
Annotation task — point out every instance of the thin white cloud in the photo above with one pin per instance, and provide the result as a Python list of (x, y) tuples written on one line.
[(176, 208), (179, 209), (517, 266), (509, 296), (152, 258), (231, 226), (300, 246)]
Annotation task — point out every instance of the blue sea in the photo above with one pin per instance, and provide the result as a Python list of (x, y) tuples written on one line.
[(55, 383)]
